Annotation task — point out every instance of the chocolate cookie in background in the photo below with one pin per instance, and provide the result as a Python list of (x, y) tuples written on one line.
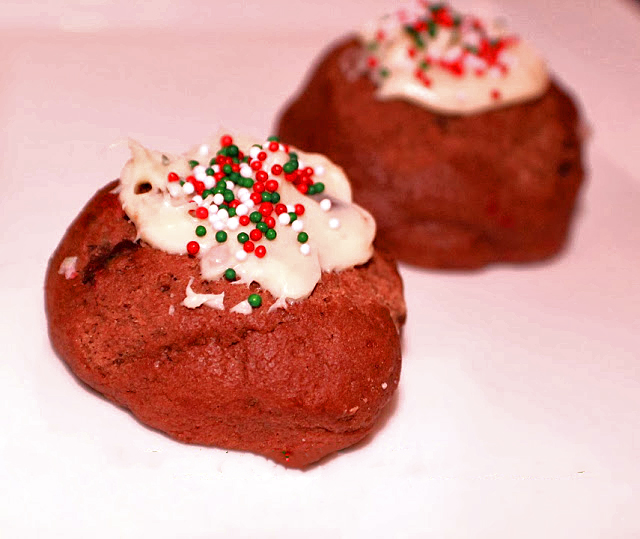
[(453, 135), (231, 299)]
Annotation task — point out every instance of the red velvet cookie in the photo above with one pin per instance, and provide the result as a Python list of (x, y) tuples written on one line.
[(294, 380), (448, 189)]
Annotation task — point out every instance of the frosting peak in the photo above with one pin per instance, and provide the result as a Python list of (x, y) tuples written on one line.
[(253, 212), (450, 62)]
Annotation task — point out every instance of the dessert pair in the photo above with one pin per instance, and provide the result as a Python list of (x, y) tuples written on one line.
[(232, 296)]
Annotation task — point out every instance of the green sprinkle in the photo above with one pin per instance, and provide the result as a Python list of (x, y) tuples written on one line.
[(221, 183), (212, 161), (432, 28), (292, 216), (266, 197), (228, 195), (303, 237), (206, 193), (270, 234), (273, 139), (384, 72), (372, 45), (201, 231), (262, 227), (293, 156), (221, 236), (232, 150), (193, 164), (311, 190), (248, 183), (243, 237), (319, 187), (415, 35), (255, 217), (235, 177), (290, 166), (231, 211), (209, 172), (230, 274), (255, 300), (227, 169), (275, 198)]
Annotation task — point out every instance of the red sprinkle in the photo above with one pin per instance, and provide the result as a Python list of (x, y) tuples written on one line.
[(248, 246), (256, 165), (193, 247), (270, 221), (255, 235), (271, 185), (262, 176), (258, 187), (262, 156), (276, 170), (244, 220), (299, 209), (261, 250), (266, 208), (202, 213), (226, 140), (173, 177), (495, 94), (273, 146), (256, 197), (280, 208)]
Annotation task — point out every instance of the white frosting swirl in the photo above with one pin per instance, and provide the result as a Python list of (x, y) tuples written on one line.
[(450, 63), (163, 215)]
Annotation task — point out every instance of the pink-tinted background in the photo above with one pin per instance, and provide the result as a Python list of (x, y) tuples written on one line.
[(518, 412)]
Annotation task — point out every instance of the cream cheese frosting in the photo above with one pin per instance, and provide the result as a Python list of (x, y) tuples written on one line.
[(449, 62), (271, 214)]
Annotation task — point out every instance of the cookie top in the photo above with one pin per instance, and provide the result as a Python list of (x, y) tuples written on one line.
[(449, 62), (262, 213)]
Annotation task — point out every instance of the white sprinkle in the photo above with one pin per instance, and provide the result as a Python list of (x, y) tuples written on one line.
[(223, 214), (245, 170), (230, 184), (281, 148), (172, 310), (175, 189), (291, 208), (241, 255), (197, 199), (243, 194), (494, 72), (254, 151), (241, 209), (325, 204), (301, 164), (249, 203), (233, 223), (284, 218), (319, 170), (204, 149), (216, 168), (298, 225), (199, 172), (188, 188), (334, 223), (218, 198), (213, 210), (305, 249), (384, 385), (209, 182), (218, 225)]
